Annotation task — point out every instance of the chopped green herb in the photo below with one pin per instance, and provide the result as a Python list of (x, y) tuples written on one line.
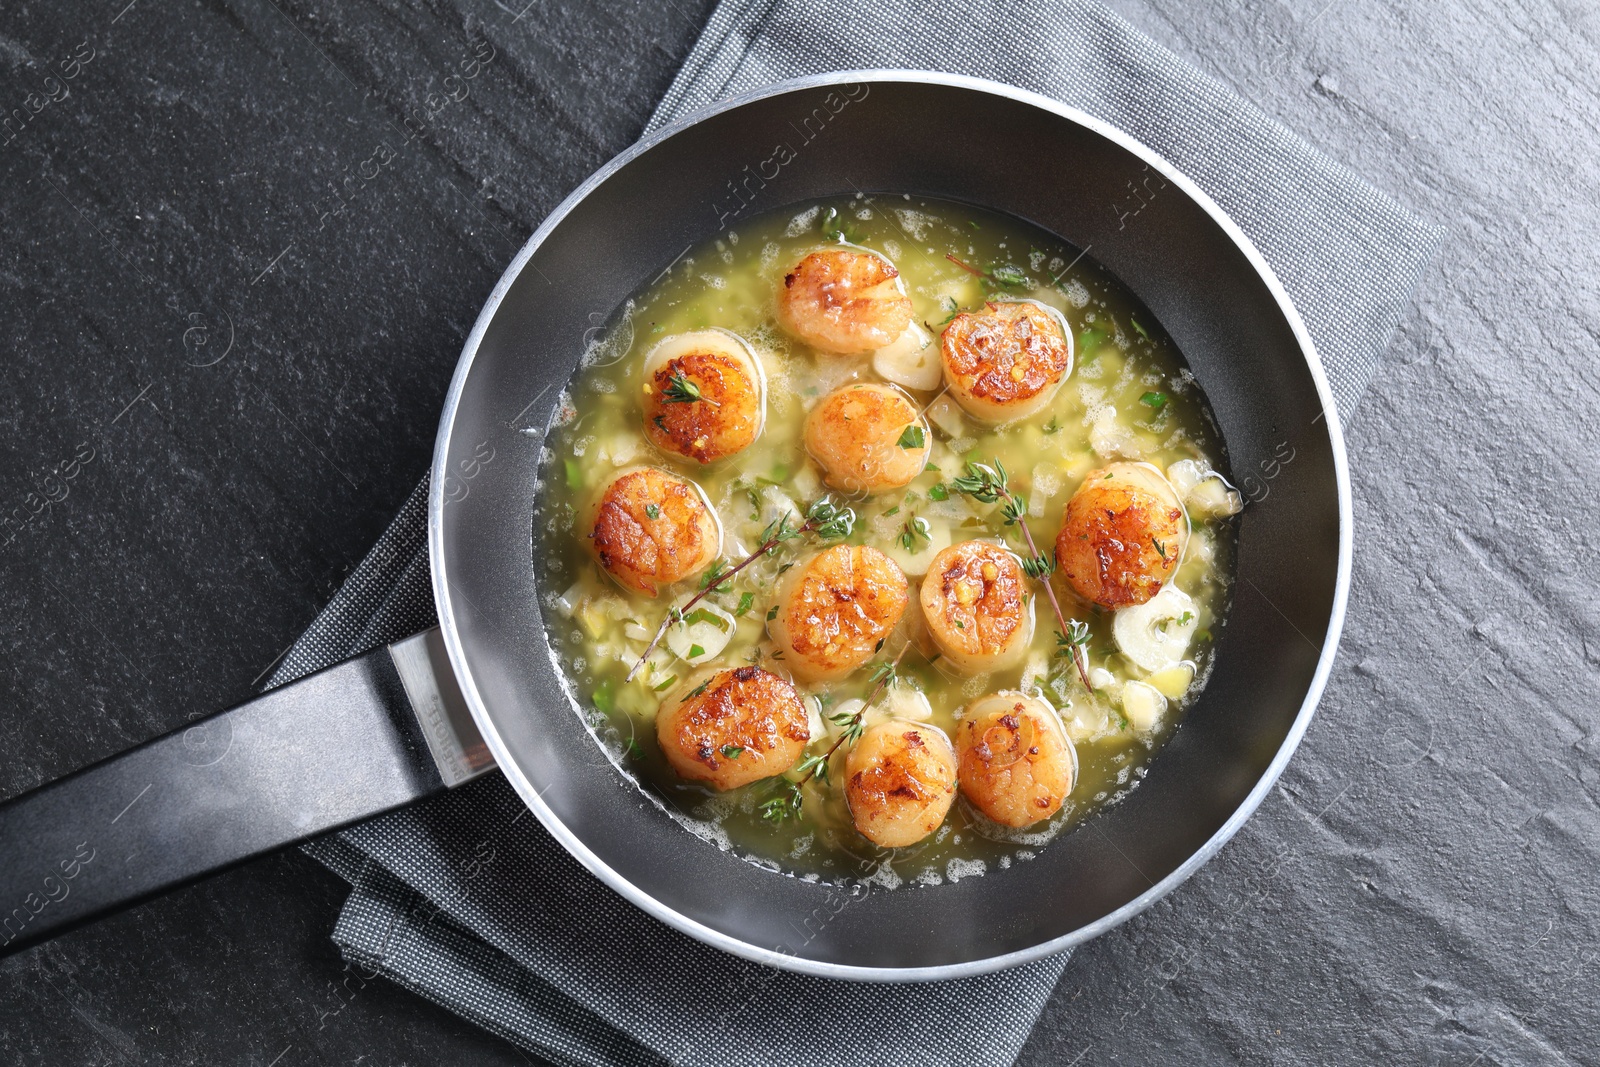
[(784, 805), (1139, 329), (732, 751), (603, 698), (772, 613), (913, 531), (934, 467), (697, 690), (1089, 340), (705, 615), (695, 651), (746, 602), (939, 492), (1186, 618), (680, 390), (717, 570), (634, 751), (663, 686), (1154, 400), (1053, 426), (1009, 276), (892, 511), (652, 511), (913, 436), (574, 474), (835, 227)]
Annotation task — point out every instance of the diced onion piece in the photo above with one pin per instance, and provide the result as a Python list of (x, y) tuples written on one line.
[(814, 718), (903, 702), (635, 630), (1035, 671), (775, 504), (567, 602), (1173, 682), (911, 360), (1046, 484), (1109, 438), (806, 482), (1143, 705), (594, 617), (944, 414), (704, 633), (1156, 634), (1206, 493)]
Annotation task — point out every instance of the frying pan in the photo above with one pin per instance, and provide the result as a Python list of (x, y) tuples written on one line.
[(483, 689)]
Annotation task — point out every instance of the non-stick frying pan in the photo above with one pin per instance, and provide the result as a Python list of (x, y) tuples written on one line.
[(483, 689)]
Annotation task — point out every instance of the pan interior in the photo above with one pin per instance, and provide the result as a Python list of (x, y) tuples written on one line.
[(1056, 171)]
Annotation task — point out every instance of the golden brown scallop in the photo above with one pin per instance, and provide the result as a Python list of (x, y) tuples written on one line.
[(979, 611), (844, 300), (1006, 361), (1122, 536), (704, 395), (1017, 764), (900, 780), (733, 727), (868, 437), (652, 528), (834, 610)]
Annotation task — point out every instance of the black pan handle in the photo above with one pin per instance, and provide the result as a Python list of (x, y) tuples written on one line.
[(352, 741)]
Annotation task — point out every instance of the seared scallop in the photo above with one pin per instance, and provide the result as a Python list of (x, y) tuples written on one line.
[(868, 437), (733, 727), (835, 610), (976, 602), (1006, 361), (1122, 536), (844, 300), (705, 395), (652, 528), (900, 781), (1017, 764)]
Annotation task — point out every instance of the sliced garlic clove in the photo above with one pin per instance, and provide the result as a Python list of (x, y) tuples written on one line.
[(911, 360), (1206, 493), (1143, 705), (702, 635), (1156, 634), (1173, 682)]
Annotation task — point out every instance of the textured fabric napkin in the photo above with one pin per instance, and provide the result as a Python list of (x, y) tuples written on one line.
[(470, 903)]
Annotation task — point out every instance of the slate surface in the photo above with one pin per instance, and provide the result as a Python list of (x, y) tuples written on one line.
[(1419, 890)]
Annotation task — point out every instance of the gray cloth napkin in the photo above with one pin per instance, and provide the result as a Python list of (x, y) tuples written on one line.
[(473, 905)]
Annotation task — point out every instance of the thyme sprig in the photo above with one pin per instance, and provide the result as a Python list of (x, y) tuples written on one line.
[(682, 390), (883, 676), (825, 519), (987, 484)]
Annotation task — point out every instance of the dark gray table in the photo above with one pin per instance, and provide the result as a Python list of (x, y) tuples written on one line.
[(239, 317)]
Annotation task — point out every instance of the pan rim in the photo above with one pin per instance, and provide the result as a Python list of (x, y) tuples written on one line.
[(609, 875)]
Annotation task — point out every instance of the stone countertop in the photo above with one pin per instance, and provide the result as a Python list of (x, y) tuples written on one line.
[(245, 239)]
